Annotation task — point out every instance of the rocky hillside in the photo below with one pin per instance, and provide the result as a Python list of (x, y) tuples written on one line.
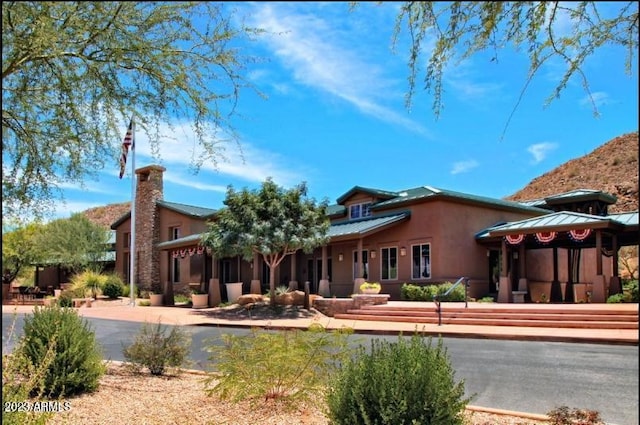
[(107, 215), (611, 168)]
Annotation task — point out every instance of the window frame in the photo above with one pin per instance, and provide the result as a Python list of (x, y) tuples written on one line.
[(421, 266), (385, 255)]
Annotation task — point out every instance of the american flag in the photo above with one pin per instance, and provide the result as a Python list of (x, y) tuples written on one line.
[(128, 142)]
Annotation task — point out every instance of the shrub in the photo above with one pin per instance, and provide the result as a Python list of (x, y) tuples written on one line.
[(21, 379), (413, 292), (126, 290), (287, 366), (66, 298), (617, 298), (565, 416), (631, 287), (113, 286), (88, 283), (77, 364), (158, 350), (406, 382)]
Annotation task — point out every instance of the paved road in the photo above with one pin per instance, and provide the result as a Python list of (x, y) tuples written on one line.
[(526, 376)]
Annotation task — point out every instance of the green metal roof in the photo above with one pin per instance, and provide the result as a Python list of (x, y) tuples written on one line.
[(384, 194), (626, 218), (562, 220), (359, 228), (181, 242), (580, 195), (336, 210), (429, 192), (189, 210)]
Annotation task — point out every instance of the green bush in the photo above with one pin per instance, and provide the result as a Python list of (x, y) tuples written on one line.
[(617, 298), (126, 290), (414, 292), (21, 379), (77, 364), (158, 350), (631, 287), (288, 366), (406, 382), (113, 286), (66, 298)]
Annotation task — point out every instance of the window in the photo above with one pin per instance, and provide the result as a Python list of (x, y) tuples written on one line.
[(360, 210), (174, 233), (126, 240), (389, 264), (364, 263), (421, 261)]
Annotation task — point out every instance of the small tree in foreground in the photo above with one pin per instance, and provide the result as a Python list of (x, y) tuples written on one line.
[(272, 222)]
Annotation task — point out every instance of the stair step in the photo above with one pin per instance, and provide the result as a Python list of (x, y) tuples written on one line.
[(507, 315), (492, 322)]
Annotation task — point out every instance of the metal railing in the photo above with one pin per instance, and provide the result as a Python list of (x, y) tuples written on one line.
[(436, 298)]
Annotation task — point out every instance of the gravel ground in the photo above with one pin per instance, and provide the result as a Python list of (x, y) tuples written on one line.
[(142, 399)]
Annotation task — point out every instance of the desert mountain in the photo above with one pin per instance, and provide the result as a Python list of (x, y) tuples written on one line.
[(611, 168)]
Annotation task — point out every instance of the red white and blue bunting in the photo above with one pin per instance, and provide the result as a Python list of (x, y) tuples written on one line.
[(514, 239), (579, 235), (545, 237), (181, 253)]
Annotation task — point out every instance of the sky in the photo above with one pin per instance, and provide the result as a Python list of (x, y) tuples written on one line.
[(335, 116)]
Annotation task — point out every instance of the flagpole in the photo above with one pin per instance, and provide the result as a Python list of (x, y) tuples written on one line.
[(132, 249)]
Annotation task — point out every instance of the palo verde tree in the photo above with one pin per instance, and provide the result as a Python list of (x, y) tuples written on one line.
[(74, 72), (75, 242), (272, 222), (441, 33), (19, 250)]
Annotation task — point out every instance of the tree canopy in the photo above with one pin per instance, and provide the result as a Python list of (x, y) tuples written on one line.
[(73, 73), (272, 222), (19, 250), (449, 31)]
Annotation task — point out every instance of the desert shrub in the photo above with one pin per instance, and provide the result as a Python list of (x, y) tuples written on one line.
[(486, 299), (77, 364), (181, 299), (287, 366), (563, 415), (144, 303), (66, 298), (21, 379), (158, 349), (405, 382), (88, 283), (126, 291), (113, 286)]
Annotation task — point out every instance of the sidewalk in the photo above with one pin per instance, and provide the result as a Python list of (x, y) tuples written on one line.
[(201, 317)]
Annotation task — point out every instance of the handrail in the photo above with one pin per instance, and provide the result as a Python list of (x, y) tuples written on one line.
[(436, 298)]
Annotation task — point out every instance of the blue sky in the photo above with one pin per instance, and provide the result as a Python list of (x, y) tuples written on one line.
[(335, 116)]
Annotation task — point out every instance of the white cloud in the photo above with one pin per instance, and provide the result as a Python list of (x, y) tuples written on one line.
[(540, 150), (464, 166), (321, 52), (596, 99)]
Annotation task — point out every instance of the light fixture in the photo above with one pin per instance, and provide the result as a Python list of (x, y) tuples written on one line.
[(340, 257), (373, 254), (403, 251)]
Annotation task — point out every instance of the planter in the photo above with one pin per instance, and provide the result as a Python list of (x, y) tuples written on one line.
[(234, 290), (57, 293), (540, 292), (156, 299), (200, 300), (370, 291)]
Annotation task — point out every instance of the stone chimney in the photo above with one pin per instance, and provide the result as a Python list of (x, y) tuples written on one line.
[(149, 189)]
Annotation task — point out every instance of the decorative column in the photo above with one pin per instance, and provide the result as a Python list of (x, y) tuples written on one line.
[(504, 291), (359, 263), (598, 290), (293, 283), (323, 287), (214, 284)]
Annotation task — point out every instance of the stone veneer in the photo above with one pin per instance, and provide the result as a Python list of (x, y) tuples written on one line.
[(149, 189)]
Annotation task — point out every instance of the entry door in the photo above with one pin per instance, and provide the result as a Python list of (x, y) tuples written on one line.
[(494, 271)]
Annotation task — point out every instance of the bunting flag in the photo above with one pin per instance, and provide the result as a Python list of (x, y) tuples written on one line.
[(126, 144), (514, 239), (545, 237), (579, 235)]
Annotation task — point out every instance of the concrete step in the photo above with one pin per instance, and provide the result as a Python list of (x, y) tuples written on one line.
[(534, 316)]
